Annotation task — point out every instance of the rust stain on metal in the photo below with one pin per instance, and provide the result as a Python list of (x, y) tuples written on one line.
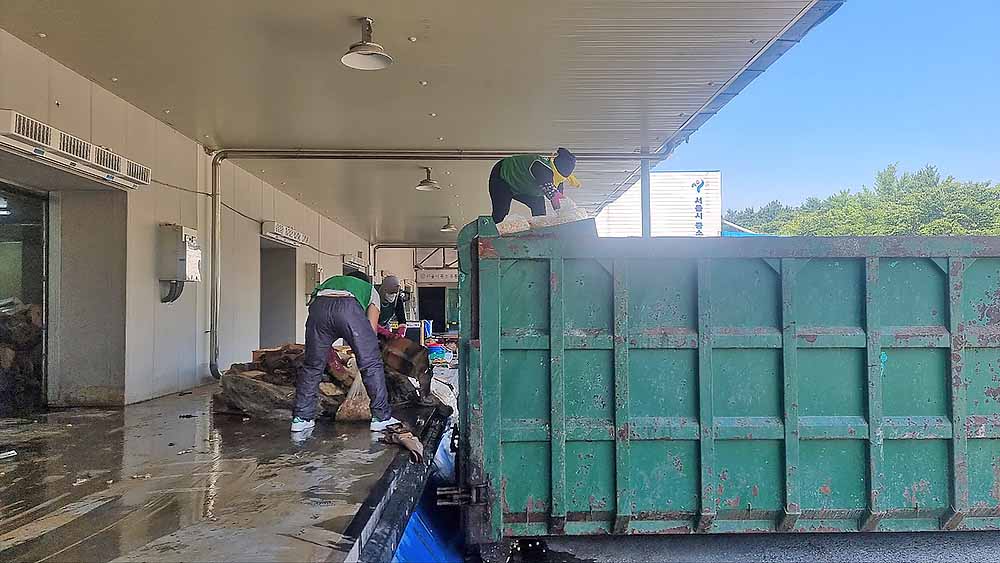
[(822, 529), (486, 249), (584, 332), (733, 502), (503, 495), (738, 331), (980, 426), (989, 311), (598, 504), (755, 491), (958, 343), (666, 331), (553, 281), (678, 464), (993, 393), (995, 489), (656, 531), (536, 505), (809, 337), (623, 432), (911, 493), (825, 489)]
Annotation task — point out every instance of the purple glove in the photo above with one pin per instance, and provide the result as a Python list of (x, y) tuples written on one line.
[(552, 193)]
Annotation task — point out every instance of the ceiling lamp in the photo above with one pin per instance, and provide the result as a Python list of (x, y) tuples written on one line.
[(365, 55), (427, 184), (448, 227)]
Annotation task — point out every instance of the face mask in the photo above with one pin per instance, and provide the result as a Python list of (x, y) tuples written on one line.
[(391, 297)]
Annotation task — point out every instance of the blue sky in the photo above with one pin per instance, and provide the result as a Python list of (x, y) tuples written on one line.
[(910, 81)]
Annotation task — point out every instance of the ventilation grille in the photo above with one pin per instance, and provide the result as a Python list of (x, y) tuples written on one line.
[(136, 172), (74, 146), (51, 143), (107, 160), (31, 129)]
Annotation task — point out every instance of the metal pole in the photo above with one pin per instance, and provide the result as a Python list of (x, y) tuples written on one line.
[(646, 217), (216, 275)]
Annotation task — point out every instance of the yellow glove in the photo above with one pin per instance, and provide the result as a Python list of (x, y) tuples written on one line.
[(558, 178)]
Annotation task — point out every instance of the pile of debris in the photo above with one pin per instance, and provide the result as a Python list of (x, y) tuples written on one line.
[(265, 387), (21, 349)]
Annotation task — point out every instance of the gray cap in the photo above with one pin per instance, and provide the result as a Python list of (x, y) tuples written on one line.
[(390, 283)]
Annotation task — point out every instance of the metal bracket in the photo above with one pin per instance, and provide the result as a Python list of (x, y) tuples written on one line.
[(462, 496), (952, 520), (871, 521), (789, 519)]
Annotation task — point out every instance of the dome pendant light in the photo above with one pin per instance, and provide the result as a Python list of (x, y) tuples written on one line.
[(366, 55), (427, 184), (448, 227)]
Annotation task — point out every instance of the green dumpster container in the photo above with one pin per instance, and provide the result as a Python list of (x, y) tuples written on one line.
[(658, 386)]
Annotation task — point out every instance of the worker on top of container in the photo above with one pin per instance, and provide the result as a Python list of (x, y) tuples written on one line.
[(531, 179), (342, 307), (392, 302)]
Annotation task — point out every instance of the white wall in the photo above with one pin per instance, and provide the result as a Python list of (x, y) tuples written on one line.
[(166, 345), (395, 262)]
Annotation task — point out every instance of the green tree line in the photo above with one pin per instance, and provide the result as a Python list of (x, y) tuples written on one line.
[(907, 203)]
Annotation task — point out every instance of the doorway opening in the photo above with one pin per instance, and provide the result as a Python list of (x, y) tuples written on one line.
[(277, 294), (22, 301), (431, 304)]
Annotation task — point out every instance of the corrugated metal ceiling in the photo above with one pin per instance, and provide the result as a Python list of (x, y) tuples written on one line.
[(601, 75)]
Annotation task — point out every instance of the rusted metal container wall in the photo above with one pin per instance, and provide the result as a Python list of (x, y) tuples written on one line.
[(729, 385)]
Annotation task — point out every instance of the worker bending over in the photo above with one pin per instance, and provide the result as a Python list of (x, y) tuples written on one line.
[(531, 179), (342, 307)]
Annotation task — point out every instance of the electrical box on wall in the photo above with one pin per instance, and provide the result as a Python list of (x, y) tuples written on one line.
[(179, 254), (314, 275)]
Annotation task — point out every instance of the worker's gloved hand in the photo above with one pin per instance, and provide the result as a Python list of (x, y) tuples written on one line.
[(384, 332), (557, 200), (401, 331)]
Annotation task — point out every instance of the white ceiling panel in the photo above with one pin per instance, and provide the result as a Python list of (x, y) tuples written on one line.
[(591, 75)]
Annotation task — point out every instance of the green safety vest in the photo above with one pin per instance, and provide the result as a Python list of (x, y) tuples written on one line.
[(361, 291), (516, 171)]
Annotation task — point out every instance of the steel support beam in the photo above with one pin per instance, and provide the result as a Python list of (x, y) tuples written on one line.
[(646, 214)]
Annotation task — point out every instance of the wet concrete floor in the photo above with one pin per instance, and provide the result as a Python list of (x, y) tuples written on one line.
[(169, 480)]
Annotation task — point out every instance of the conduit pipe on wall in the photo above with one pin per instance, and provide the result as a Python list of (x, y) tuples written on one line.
[(336, 154)]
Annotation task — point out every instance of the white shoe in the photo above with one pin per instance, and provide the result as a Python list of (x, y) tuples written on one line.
[(299, 438), (299, 425), (381, 425)]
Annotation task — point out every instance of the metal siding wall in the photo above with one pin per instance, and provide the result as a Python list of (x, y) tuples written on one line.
[(768, 385), (677, 206)]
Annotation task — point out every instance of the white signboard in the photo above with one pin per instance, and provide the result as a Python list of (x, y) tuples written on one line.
[(682, 204), (449, 275)]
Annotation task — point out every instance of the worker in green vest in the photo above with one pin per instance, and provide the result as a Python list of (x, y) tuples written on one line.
[(342, 307), (531, 179), (392, 302)]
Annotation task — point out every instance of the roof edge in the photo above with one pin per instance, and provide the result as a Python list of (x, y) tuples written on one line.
[(810, 17)]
